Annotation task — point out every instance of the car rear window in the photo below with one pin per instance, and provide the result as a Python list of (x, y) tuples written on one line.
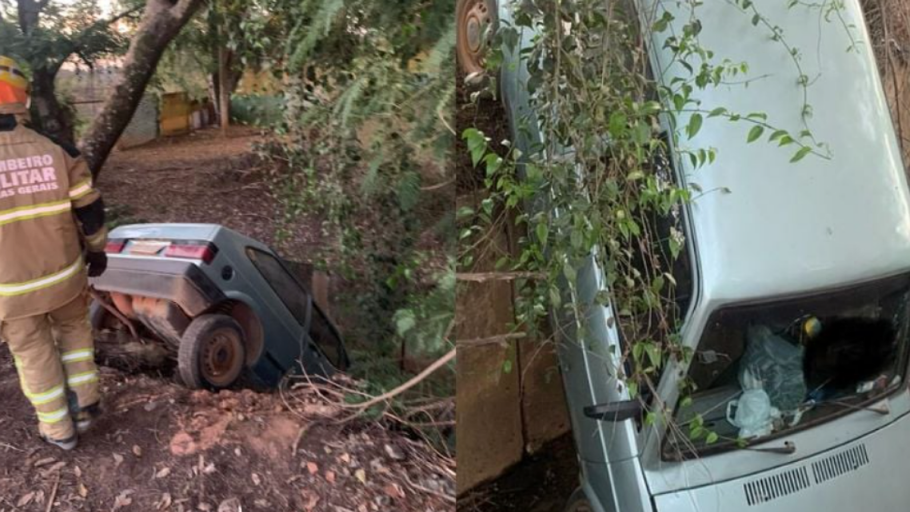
[(282, 282), (324, 336)]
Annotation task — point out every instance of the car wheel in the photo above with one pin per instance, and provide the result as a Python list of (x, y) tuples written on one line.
[(578, 502), (476, 24), (212, 352)]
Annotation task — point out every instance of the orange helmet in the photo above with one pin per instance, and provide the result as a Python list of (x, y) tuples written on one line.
[(14, 87)]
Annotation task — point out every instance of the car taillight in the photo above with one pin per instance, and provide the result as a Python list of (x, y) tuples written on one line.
[(194, 251), (115, 246)]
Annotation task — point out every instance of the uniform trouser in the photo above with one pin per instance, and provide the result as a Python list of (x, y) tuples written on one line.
[(55, 357)]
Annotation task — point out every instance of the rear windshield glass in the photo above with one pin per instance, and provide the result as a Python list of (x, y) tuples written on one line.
[(765, 370), (325, 337), (282, 282)]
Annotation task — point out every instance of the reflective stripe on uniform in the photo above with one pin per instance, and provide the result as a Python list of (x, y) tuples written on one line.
[(81, 190), (34, 211), (53, 417), (82, 378), (76, 356), (44, 398), (9, 290)]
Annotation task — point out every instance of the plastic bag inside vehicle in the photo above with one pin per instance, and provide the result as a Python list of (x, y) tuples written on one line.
[(763, 370)]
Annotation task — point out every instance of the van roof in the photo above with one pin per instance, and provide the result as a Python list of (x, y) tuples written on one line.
[(784, 227)]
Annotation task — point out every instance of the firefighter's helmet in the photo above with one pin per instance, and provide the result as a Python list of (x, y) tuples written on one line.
[(14, 87)]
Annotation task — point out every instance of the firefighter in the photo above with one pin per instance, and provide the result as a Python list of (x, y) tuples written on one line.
[(52, 238)]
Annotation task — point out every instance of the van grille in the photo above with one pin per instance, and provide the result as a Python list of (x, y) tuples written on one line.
[(838, 464), (775, 486)]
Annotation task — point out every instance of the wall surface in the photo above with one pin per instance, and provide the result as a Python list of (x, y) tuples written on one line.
[(510, 394)]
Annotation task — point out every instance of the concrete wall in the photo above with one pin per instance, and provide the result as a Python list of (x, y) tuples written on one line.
[(510, 395), (143, 127)]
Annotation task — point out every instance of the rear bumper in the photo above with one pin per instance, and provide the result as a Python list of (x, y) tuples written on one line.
[(179, 281)]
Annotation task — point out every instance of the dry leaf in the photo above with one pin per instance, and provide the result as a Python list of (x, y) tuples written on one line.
[(205, 507), (256, 480), (361, 475), (209, 469), (77, 471), (346, 458), (83, 491), (312, 501), (123, 500), (45, 462), (393, 491), (330, 476), (25, 500), (312, 467), (118, 460), (163, 473), (137, 450), (165, 501), (230, 505)]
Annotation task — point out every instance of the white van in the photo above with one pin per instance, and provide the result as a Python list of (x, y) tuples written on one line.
[(807, 264)]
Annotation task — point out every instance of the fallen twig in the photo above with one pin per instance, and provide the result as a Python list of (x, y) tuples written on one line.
[(499, 339), (429, 370), (482, 277), (50, 502)]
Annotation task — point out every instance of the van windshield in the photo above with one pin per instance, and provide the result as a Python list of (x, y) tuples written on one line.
[(765, 370)]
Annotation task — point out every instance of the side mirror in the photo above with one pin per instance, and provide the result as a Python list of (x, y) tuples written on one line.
[(615, 411)]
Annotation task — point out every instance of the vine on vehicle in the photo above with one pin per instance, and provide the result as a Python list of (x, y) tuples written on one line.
[(602, 181)]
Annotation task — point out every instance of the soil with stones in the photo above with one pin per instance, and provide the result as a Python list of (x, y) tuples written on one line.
[(160, 446)]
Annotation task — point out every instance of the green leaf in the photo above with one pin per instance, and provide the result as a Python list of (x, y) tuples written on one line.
[(542, 233), (719, 111), (507, 366), (801, 154), (777, 134), (712, 438), (694, 126), (755, 133)]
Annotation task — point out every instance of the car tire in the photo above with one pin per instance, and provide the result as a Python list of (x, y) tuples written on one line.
[(578, 502), (212, 352), (470, 48)]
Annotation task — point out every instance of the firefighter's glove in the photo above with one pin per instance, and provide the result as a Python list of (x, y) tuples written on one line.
[(97, 263)]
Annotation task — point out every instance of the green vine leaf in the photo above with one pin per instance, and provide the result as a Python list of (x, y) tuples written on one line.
[(755, 133), (694, 126), (801, 154)]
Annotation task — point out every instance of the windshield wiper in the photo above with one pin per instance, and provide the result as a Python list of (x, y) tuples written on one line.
[(884, 410), (788, 448)]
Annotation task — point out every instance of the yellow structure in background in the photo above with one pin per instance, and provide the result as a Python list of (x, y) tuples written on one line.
[(176, 111)]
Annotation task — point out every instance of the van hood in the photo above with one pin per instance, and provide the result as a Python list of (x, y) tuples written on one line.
[(868, 473), (793, 227)]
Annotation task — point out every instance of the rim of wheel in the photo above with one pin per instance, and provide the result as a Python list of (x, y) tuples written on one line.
[(474, 34), (221, 357)]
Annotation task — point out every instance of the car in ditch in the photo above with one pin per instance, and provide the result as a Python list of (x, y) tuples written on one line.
[(794, 289), (225, 305)]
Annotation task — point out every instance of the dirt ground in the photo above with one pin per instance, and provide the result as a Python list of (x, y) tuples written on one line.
[(160, 446), (542, 482), (201, 177)]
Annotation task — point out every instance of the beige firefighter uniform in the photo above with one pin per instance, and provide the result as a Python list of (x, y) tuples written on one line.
[(43, 280)]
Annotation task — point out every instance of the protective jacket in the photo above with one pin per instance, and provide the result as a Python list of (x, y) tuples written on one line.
[(50, 213)]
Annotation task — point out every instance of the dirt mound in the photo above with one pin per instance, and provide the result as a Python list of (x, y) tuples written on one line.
[(160, 446)]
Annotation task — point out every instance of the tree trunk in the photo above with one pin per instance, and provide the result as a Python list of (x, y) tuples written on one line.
[(48, 115), (224, 93), (161, 22)]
